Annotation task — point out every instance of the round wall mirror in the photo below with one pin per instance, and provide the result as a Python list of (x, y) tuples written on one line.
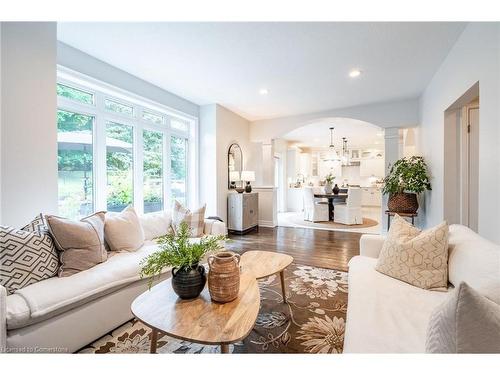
[(234, 166)]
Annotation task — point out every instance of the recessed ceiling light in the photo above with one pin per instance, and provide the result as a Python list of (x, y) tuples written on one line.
[(263, 91), (354, 73)]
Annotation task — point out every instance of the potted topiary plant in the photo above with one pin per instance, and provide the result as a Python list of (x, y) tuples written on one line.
[(177, 251), (407, 178)]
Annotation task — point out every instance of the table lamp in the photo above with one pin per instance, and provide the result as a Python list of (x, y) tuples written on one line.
[(248, 176)]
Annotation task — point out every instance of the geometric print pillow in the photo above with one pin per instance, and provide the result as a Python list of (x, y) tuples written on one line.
[(419, 258), (27, 255)]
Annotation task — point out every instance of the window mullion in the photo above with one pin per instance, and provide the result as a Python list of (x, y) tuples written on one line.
[(100, 166), (138, 168), (167, 179)]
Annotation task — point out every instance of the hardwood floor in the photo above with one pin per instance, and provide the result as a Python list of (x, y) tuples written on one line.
[(319, 248)]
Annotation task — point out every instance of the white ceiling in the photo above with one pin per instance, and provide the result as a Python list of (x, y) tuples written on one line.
[(359, 134), (304, 66)]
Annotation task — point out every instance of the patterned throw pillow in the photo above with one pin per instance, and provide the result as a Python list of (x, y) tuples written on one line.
[(27, 255), (419, 258), (467, 322), (195, 219)]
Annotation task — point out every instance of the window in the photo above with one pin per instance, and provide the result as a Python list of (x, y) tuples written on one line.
[(148, 116), (117, 107), (75, 163), (153, 171), (179, 125), (116, 149), (178, 168), (119, 163), (75, 94)]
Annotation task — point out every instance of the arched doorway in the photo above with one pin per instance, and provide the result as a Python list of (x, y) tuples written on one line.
[(306, 155)]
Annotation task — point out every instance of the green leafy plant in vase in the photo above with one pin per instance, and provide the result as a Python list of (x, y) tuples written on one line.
[(407, 178), (177, 251), (329, 178)]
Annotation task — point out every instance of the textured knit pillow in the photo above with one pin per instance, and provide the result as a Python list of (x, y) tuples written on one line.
[(467, 322), (81, 242), (195, 219), (27, 255), (419, 258), (123, 231)]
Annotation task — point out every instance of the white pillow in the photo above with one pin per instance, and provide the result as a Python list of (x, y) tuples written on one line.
[(123, 231), (156, 224), (466, 322)]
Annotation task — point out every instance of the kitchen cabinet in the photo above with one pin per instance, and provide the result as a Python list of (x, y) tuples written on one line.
[(372, 167), (295, 200), (371, 196)]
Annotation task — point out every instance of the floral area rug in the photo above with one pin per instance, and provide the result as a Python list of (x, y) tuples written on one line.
[(312, 321)]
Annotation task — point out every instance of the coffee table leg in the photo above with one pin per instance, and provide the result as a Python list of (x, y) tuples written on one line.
[(282, 277), (224, 348), (154, 341)]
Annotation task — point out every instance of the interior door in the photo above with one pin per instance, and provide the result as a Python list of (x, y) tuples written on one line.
[(473, 166)]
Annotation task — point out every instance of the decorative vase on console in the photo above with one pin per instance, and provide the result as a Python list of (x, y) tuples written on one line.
[(335, 189)]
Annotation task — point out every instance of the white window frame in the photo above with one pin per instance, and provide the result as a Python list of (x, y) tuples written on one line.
[(103, 91)]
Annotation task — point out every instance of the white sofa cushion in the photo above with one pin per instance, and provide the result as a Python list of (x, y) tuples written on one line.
[(55, 295), (156, 224), (472, 259), (18, 311), (386, 315)]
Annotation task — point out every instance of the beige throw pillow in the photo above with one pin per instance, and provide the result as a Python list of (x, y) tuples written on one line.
[(419, 258), (123, 231), (195, 219), (467, 322), (81, 243)]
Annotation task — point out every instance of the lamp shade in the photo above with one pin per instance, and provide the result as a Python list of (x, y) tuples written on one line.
[(248, 176), (234, 176)]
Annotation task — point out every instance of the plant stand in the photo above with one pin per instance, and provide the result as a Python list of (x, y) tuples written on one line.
[(402, 214)]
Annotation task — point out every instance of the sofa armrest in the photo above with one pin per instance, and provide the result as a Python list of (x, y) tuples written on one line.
[(214, 227), (3, 319), (370, 245)]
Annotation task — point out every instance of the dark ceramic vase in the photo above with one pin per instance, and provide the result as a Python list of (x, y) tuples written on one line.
[(188, 283), (336, 189)]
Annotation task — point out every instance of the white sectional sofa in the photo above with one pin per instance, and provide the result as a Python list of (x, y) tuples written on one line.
[(63, 314), (385, 315)]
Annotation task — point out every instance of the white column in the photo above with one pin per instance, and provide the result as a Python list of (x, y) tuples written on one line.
[(393, 151), (268, 198)]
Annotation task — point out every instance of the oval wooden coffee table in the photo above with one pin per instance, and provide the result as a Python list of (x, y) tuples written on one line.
[(202, 321)]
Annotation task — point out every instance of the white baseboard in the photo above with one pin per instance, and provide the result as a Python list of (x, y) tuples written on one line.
[(267, 224)]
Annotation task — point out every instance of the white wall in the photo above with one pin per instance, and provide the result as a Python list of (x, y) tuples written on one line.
[(475, 57), (81, 62), (230, 128), (219, 128), (28, 118), (399, 113), (208, 158)]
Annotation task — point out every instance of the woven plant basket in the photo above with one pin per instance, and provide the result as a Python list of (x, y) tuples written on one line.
[(403, 202)]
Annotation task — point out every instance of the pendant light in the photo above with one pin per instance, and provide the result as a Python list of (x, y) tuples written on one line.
[(332, 153), (345, 153)]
